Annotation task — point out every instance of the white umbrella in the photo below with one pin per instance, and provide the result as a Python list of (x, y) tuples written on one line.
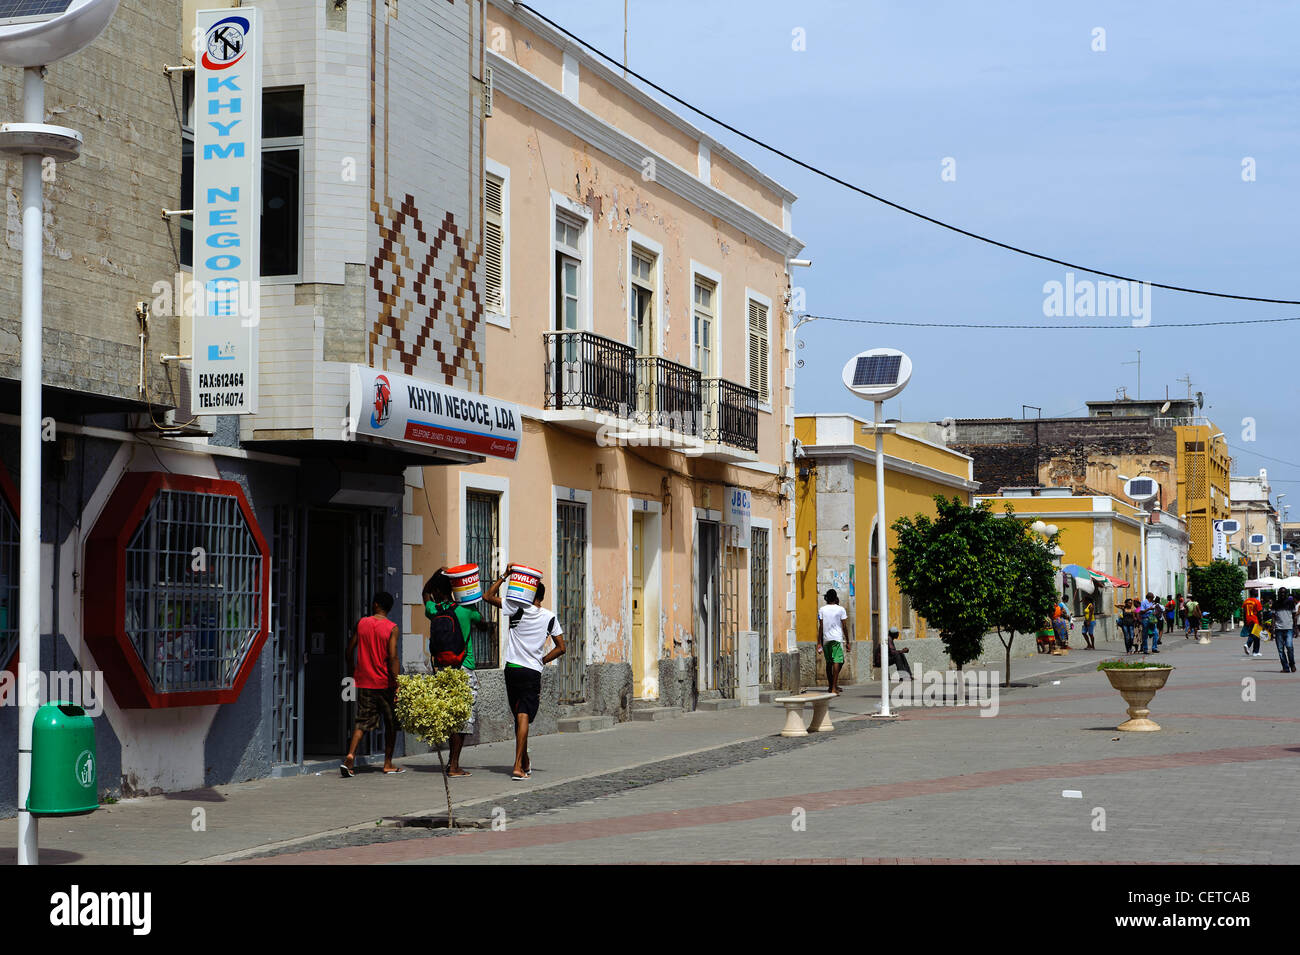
[(1292, 584), (1264, 583)]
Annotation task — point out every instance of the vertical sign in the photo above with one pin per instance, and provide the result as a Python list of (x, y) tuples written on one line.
[(227, 209), (1220, 542), (736, 514)]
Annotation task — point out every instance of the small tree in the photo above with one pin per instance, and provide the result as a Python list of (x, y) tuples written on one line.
[(1217, 586), (432, 706), (968, 571)]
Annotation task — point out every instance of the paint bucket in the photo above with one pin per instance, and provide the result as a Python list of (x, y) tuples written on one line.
[(466, 588), (521, 584)]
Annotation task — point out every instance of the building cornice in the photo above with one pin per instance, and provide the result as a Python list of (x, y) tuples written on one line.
[(587, 61), (511, 80), (858, 453)]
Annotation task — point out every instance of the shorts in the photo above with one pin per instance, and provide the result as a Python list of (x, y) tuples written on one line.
[(373, 704), (834, 650), (524, 691)]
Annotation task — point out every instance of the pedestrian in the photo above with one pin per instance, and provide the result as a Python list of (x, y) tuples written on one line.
[(1193, 616), (1182, 613), (830, 638), (1089, 623), (374, 640), (1284, 610), (1171, 612), (1251, 626), (1149, 618), (1061, 625), (530, 628), (1046, 636), (1128, 621), (451, 650)]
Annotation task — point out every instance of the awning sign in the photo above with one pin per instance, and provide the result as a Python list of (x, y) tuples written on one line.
[(227, 209), (400, 408)]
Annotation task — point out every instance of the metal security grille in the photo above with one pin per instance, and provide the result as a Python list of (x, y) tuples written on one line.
[(286, 637), (193, 590), (759, 562), (482, 541), (570, 599), (367, 536), (725, 667), (8, 582)]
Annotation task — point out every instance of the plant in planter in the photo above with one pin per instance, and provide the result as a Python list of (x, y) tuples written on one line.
[(1137, 683), (432, 706), (1217, 586)]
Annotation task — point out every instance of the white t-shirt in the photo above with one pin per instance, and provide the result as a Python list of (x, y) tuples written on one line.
[(833, 617), (526, 644)]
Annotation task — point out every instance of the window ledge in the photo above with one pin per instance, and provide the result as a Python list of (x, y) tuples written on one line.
[(765, 407), (500, 321)]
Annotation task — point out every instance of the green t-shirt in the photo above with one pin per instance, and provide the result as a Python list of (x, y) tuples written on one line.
[(467, 616)]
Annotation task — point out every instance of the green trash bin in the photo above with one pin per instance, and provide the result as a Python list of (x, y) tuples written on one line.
[(64, 767)]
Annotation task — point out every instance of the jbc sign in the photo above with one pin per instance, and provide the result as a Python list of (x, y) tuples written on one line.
[(227, 209)]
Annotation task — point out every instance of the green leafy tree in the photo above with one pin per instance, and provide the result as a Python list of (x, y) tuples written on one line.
[(968, 571), (1217, 586), (432, 706)]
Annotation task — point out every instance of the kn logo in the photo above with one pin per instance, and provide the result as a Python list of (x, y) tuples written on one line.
[(225, 43), (383, 402)]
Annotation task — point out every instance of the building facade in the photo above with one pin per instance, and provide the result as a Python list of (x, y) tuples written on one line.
[(211, 566), (835, 507), (1204, 492), (636, 313), (1252, 507)]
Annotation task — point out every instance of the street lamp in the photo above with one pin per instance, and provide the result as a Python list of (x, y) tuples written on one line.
[(877, 375), (33, 34)]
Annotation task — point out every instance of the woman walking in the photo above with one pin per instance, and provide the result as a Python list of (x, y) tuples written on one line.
[(1128, 621)]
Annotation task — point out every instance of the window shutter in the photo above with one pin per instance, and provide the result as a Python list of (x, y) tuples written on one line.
[(493, 245), (758, 350)]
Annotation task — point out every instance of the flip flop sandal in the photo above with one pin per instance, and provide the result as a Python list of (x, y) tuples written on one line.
[(517, 778), (393, 772), (346, 771)]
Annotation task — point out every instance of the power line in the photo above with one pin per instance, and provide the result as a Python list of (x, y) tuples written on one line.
[(894, 205), (1266, 458), (880, 321)]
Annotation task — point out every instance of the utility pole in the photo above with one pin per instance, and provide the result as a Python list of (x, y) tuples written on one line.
[(625, 2)]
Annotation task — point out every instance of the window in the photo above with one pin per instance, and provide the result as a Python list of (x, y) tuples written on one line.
[(758, 350), (642, 303), (702, 359), (494, 238), (282, 151), (568, 273)]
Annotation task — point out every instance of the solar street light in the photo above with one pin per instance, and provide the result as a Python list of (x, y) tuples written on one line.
[(34, 33), (878, 374)]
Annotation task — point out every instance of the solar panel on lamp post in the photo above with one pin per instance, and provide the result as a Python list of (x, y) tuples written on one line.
[(33, 34), (876, 375)]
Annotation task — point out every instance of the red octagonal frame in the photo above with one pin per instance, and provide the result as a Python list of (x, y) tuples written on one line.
[(104, 597)]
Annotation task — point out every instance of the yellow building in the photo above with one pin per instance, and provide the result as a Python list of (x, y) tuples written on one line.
[(1097, 532), (1204, 490), (835, 516)]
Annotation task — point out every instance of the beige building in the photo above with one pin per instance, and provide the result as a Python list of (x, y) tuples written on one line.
[(636, 298)]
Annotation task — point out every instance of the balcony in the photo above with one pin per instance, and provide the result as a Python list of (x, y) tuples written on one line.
[(668, 395), (594, 382), (585, 371), (730, 414)]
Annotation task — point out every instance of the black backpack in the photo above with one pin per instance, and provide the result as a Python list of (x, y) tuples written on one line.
[(446, 643)]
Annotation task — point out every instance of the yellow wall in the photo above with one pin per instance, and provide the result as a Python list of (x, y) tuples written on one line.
[(1199, 473)]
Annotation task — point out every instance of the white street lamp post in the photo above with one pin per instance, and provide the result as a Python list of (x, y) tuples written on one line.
[(876, 375), (32, 37)]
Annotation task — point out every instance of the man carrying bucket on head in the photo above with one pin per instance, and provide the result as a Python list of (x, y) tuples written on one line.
[(449, 593), (530, 627)]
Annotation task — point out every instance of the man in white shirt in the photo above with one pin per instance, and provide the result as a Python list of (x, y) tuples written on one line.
[(830, 638), (530, 628)]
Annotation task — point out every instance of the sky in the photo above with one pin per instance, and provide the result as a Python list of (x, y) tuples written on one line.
[(1168, 156)]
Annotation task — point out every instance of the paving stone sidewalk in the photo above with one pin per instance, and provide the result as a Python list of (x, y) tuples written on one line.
[(312, 811)]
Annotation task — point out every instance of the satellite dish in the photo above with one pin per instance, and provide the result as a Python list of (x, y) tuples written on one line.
[(1164, 407), (1200, 399), (877, 374), (40, 32)]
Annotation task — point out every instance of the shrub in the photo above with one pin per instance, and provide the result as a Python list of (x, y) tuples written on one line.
[(432, 706)]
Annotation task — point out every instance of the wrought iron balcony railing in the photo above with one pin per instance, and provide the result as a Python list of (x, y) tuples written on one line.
[(668, 395), (586, 370), (730, 414)]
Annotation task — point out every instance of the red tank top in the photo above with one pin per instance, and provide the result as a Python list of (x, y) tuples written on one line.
[(372, 653)]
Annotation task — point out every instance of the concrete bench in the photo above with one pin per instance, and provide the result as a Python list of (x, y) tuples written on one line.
[(821, 717)]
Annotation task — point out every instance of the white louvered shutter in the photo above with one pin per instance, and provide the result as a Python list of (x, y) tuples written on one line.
[(758, 350), (493, 245)]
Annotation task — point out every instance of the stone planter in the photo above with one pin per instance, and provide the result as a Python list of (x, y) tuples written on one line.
[(1138, 686)]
